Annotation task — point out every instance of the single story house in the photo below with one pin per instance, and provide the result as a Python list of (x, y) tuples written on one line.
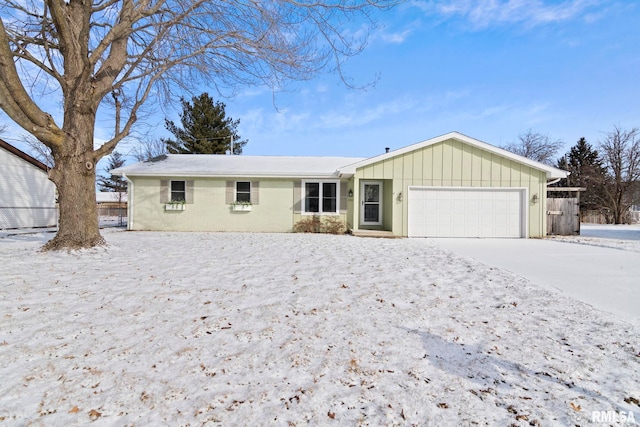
[(27, 197), (448, 186)]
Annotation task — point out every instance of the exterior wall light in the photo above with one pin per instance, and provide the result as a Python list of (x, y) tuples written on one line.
[(350, 193), (534, 199)]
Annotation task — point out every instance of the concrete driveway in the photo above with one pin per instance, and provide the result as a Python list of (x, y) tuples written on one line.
[(606, 278)]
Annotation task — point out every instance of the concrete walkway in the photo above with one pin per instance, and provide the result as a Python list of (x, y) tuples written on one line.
[(608, 279)]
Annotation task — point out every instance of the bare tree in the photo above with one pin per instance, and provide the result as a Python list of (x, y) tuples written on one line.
[(39, 151), (117, 54), (535, 146), (621, 157), (148, 149)]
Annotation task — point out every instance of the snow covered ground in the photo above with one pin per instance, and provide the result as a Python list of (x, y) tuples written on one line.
[(622, 236), (603, 272), (225, 329)]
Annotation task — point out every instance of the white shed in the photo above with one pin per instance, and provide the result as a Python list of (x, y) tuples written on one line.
[(27, 197)]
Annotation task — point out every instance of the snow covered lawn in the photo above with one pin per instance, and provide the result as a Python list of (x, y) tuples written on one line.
[(289, 329), (620, 236)]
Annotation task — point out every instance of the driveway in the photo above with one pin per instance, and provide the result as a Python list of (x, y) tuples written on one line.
[(606, 278)]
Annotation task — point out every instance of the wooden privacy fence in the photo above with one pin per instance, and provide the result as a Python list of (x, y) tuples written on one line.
[(598, 217), (563, 213)]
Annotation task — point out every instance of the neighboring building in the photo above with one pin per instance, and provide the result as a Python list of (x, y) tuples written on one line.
[(451, 185), (27, 197), (112, 207), (111, 199)]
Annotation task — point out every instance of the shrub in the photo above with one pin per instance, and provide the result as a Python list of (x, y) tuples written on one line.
[(313, 224), (333, 225), (307, 225)]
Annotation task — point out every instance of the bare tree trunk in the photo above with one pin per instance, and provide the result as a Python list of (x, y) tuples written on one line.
[(620, 211), (75, 177)]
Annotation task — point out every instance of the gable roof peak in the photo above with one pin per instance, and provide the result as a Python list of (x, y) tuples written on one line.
[(552, 173)]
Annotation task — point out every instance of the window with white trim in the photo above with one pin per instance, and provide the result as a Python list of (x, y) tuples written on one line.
[(243, 192), (178, 191), (321, 197)]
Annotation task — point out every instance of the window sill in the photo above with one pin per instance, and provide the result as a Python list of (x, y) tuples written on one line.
[(241, 208), (321, 213), (174, 206)]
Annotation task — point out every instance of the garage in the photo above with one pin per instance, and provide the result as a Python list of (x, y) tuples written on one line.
[(466, 212)]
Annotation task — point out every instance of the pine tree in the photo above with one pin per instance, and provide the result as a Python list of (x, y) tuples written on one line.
[(587, 171), (112, 183), (205, 129)]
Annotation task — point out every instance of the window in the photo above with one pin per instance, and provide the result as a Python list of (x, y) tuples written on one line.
[(321, 197), (178, 191), (243, 192)]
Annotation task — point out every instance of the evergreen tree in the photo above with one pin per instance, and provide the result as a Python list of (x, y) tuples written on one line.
[(113, 183), (205, 129), (587, 171)]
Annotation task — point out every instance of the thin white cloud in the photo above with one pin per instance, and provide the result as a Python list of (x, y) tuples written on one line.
[(396, 37), (360, 117), (346, 117), (485, 13)]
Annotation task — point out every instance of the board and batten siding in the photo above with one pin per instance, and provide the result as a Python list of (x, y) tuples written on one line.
[(453, 163), (27, 197)]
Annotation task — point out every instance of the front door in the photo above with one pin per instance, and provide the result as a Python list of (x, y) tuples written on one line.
[(371, 202)]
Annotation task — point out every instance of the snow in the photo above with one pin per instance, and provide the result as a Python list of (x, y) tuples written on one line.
[(601, 270), (622, 236), (238, 166), (289, 329)]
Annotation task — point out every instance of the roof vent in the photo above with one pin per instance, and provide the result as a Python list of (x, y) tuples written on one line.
[(386, 149)]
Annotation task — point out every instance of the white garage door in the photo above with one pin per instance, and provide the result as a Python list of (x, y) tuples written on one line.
[(466, 212)]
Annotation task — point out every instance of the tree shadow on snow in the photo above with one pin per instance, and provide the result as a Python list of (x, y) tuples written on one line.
[(491, 371), (16, 236)]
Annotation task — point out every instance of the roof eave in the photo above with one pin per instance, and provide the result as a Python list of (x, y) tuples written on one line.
[(24, 156), (160, 174), (551, 172)]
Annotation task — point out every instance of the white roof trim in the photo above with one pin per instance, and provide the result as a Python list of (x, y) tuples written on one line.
[(550, 171)]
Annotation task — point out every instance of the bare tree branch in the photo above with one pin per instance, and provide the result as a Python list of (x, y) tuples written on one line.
[(535, 146), (144, 49), (621, 156)]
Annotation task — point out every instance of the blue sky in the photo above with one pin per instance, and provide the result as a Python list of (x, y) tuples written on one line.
[(491, 69)]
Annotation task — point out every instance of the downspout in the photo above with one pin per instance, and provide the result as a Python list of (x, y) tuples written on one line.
[(129, 202), (544, 198)]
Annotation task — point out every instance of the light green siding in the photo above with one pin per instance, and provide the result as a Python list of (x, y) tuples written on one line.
[(211, 211), (454, 163)]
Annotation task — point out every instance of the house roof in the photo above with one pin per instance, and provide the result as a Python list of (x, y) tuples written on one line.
[(110, 197), (219, 165), (13, 150), (552, 173)]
